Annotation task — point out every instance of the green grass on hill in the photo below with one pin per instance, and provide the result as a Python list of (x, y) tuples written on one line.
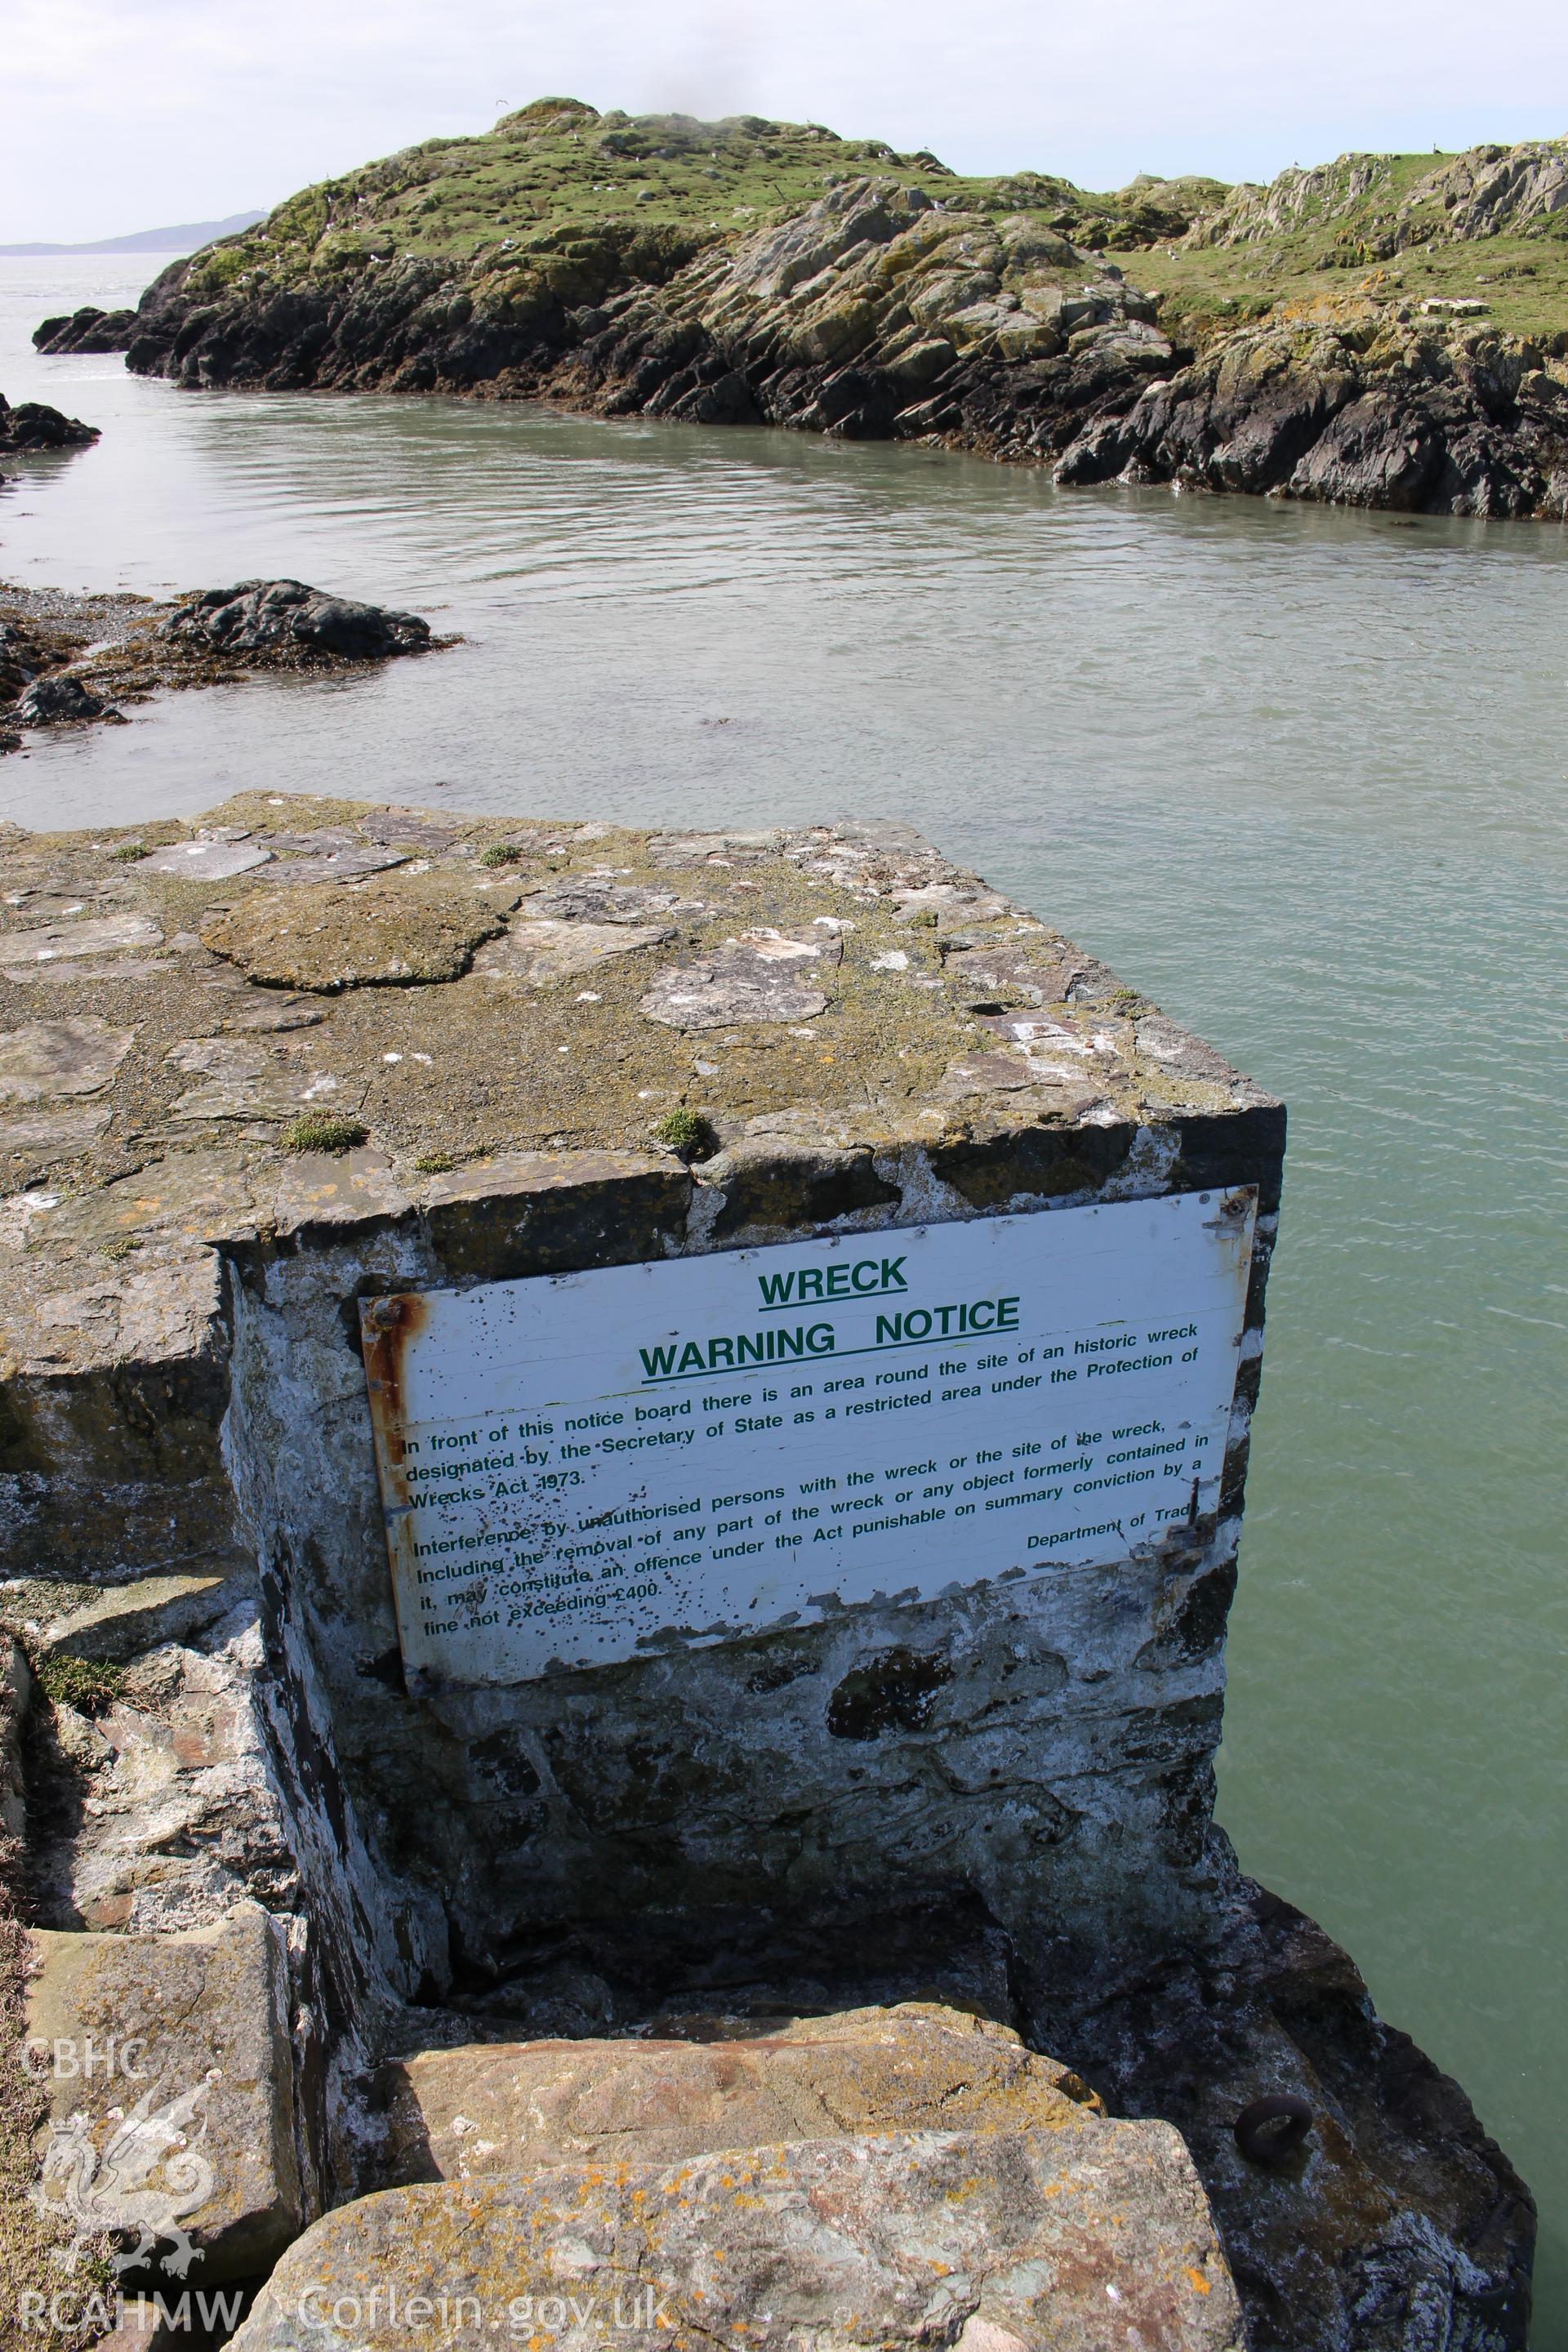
[(560, 200), (1342, 243), (557, 174)]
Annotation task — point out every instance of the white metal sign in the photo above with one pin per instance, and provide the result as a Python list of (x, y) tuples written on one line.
[(576, 1466)]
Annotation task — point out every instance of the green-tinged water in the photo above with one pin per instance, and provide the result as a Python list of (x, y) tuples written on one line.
[(1302, 775)]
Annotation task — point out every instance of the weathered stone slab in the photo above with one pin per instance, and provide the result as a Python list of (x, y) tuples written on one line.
[(269, 1012), (455, 2115), (53, 1131), (44, 1059), (118, 1624), (734, 849), (763, 975), (602, 899), (399, 932), (542, 950), (624, 1205), (207, 861), (337, 865), (240, 1079), (321, 1190), (178, 2124), (1012, 2242), (26, 952)]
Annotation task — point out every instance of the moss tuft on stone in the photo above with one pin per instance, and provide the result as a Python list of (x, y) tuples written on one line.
[(89, 1685), (323, 1130), (687, 1132), (500, 853)]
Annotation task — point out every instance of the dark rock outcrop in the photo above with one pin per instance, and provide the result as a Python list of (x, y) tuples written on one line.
[(418, 325), (34, 425), (1432, 2229), (285, 617), (68, 660), (1353, 406), (87, 330), (56, 702), (21, 659)]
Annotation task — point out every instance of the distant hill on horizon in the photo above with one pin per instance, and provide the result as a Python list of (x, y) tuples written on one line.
[(184, 237)]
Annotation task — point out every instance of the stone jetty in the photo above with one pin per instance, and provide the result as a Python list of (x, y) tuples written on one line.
[(624, 1455)]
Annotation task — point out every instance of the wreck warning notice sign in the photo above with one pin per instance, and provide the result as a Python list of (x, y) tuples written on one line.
[(577, 1467)]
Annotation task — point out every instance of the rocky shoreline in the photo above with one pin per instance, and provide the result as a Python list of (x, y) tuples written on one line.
[(69, 660), (886, 311)]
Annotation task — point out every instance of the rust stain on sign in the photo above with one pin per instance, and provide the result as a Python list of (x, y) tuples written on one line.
[(387, 1326)]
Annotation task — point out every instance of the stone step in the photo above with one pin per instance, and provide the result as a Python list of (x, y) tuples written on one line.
[(1087, 2240), (117, 1622), (457, 2115), (170, 2071)]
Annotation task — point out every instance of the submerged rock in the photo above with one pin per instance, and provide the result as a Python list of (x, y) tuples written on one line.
[(66, 659), (285, 616)]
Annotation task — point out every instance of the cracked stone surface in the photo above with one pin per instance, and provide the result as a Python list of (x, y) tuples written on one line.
[(1006, 2242)]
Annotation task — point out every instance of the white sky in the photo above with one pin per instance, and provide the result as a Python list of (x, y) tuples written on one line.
[(123, 115)]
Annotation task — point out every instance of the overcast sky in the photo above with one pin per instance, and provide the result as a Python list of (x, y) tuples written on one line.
[(123, 115)]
